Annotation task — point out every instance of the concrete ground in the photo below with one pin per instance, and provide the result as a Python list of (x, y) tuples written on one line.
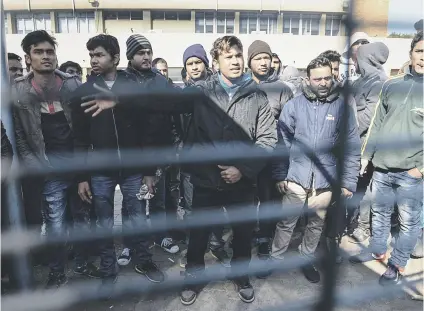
[(279, 288)]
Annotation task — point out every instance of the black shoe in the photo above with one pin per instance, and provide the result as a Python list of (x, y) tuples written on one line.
[(56, 280), (366, 256), (359, 235), (263, 250), (222, 256), (89, 270), (392, 276), (151, 271), (311, 273), (244, 289), (188, 294)]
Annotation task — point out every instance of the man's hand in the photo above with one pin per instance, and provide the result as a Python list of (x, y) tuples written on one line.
[(415, 172), (84, 192), (364, 164), (282, 186), (102, 101), (346, 193), (230, 174), (150, 182)]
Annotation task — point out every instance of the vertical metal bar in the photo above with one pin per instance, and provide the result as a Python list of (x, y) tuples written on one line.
[(21, 266), (327, 302)]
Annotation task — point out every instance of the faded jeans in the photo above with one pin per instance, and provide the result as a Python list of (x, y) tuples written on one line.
[(55, 203), (103, 188), (407, 191), (296, 197)]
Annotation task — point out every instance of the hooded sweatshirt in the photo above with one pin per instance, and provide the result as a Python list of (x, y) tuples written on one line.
[(347, 66), (366, 89), (291, 76)]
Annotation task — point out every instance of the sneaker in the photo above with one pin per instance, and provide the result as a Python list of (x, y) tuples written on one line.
[(89, 269), (189, 293), (359, 235), (311, 273), (125, 257), (56, 280), (222, 256), (183, 261), (151, 271), (366, 256), (392, 276), (244, 288), (169, 246), (264, 249)]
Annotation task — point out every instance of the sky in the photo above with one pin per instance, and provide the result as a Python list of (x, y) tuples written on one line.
[(403, 14)]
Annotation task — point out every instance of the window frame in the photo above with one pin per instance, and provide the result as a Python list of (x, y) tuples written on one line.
[(156, 12), (305, 18), (271, 19), (333, 17), (131, 12), (19, 16), (77, 17), (228, 17)]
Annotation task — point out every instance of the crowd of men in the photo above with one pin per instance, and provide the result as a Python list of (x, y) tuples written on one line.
[(268, 108)]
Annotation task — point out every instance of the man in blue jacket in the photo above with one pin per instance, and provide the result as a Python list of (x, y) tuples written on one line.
[(313, 119)]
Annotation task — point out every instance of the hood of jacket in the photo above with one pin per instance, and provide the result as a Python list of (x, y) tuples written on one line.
[(190, 82), (371, 58), (334, 92)]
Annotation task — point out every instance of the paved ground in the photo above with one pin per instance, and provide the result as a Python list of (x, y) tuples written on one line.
[(277, 289)]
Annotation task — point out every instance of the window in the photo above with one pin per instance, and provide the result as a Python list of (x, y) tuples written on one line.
[(225, 22), (25, 23), (6, 28), (80, 22), (215, 22), (253, 21), (304, 24), (172, 15), (332, 25), (131, 15)]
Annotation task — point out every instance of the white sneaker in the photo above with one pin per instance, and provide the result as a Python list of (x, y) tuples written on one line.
[(125, 257), (169, 246)]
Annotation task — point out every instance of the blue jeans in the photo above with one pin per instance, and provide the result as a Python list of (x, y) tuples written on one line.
[(407, 191), (55, 203), (103, 188)]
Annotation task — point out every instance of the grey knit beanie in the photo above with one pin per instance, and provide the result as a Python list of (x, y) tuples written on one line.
[(135, 43)]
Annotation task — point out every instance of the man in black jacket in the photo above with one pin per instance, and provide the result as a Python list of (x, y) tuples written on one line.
[(113, 131), (278, 94), (228, 108)]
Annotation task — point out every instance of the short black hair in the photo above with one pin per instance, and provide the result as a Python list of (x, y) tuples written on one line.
[(70, 64), (331, 55), (183, 74), (159, 60), (417, 38), (318, 63), (108, 42), (37, 37), (419, 25), (13, 56)]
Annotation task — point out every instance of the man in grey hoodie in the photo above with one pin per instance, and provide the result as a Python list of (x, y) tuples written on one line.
[(370, 60)]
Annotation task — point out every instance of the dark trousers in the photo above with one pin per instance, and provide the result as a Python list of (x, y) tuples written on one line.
[(103, 188), (267, 194), (213, 200)]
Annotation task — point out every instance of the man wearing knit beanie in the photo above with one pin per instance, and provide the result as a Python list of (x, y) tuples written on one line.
[(140, 55), (278, 93), (196, 62)]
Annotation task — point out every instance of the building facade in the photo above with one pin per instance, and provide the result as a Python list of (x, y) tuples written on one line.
[(289, 26)]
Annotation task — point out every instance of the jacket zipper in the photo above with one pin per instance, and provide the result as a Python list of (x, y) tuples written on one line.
[(116, 134), (315, 142)]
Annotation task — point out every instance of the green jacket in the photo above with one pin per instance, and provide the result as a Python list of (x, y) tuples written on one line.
[(398, 117)]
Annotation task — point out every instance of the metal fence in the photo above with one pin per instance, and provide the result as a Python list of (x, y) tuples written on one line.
[(18, 240)]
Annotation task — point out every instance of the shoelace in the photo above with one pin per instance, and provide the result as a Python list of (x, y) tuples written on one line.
[(167, 242)]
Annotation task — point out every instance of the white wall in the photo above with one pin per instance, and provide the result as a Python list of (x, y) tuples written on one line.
[(292, 49)]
